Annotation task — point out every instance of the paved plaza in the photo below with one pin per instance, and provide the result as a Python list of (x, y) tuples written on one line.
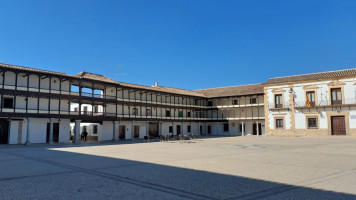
[(207, 168)]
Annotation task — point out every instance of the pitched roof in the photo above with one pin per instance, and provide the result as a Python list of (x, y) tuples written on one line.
[(29, 69), (313, 76), (92, 76), (239, 90)]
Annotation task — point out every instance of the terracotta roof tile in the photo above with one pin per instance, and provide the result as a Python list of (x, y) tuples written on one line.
[(313, 76), (232, 91), (29, 69)]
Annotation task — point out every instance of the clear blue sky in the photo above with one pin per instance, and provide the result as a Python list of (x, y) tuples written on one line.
[(187, 44)]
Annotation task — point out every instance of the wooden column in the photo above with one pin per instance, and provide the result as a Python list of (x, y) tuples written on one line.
[(16, 78)]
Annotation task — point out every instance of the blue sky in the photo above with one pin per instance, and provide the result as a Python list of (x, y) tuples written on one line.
[(187, 44)]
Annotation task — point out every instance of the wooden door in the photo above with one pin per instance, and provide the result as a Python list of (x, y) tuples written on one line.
[(201, 130), (153, 129), (122, 132), (136, 131), (178, 129), (259, 129), (209, 130), (254, 129), (4, 131), (336, 96), (338, 125)]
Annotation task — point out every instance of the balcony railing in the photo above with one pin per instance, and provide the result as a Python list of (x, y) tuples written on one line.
[(285, 105), (322, 103)]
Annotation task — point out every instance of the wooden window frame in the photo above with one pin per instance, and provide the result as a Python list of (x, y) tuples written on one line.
[(275, 123), (311, 117)]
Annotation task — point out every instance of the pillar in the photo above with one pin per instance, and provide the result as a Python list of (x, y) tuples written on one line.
[(28, 131), (115, 135), (159, 128), (147, 128), (76, 137), (257, 127), (199, 133), (50, 131), (243, 129), (132, 129)]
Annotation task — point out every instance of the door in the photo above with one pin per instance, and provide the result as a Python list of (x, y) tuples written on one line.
[(122, 133), (178, 129), (336, 96), (201, 130), (136, 131), (55, 132), (338, 125), (209, 130), (254, 129), (153, 129), (4, 131), (259, 129)]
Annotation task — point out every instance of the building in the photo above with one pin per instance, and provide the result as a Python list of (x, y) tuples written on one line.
[(38, 106), (312, 104)]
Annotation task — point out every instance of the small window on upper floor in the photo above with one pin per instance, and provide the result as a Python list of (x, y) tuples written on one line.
[(134, 111), (168, 113), (8, 102), (188, 114), (253, 101), (148, 112), (180, 113), (210, 103), (235, 102)]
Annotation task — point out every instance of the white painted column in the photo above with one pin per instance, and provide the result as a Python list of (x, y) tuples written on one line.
[(257, 127), (115, 135), (28, 131), (76, 137), (50, 131), (147, 128), (199, 129), (243, 129), (132, 129)]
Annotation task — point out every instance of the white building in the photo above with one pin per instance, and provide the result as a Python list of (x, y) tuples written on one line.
[(38, 106), (324, 104)]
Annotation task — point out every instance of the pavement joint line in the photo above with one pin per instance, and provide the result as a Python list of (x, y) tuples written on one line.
[(127, 180), (35, 176)]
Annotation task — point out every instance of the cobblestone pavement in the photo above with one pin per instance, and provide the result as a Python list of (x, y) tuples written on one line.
[(207, 168)]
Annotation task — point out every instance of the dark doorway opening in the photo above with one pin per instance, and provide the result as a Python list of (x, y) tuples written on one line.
[(4, 131), (178, 129), (209, 130), (201, 130), (122, 132), (136, 131), (55, 132), (153, 129)]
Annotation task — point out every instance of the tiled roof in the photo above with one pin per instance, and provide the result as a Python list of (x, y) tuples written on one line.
[(92, 76), (232, 91), (313, 76), (29, 69)]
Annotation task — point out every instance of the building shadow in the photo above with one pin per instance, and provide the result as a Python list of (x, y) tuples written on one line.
[(169, 181)]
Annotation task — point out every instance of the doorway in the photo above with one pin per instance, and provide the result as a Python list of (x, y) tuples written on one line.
[(122, 132), (254, 129), (4, 131), (136, 131), (153, 129), (209, 130), (55, 132), (178, 129), (338, 125), (201, 130)]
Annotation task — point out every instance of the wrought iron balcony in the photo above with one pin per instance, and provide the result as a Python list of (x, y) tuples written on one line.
[(326, 103)]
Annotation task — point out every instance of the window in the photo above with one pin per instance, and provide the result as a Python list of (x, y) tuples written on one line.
[(171, 129), (235, 102), (95, 129), (8, 102), (279, 123), (134, 111), (336, 96), (196, 102), (188, 114), (278, 101), (168, 113), (253, 101), (188, 128), (148, 112), (85, 110), (180, 113), (226, 127), (210, 103), (311, 97), (312, 122), (96, 109)]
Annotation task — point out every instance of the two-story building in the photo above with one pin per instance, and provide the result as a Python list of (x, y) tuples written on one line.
[(312, 104)]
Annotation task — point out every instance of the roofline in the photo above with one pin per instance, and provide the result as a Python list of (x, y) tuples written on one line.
[(247, 95), (309, 80), (228, 87)]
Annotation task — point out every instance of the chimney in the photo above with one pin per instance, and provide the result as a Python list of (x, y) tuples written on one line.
[(155, 85)]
